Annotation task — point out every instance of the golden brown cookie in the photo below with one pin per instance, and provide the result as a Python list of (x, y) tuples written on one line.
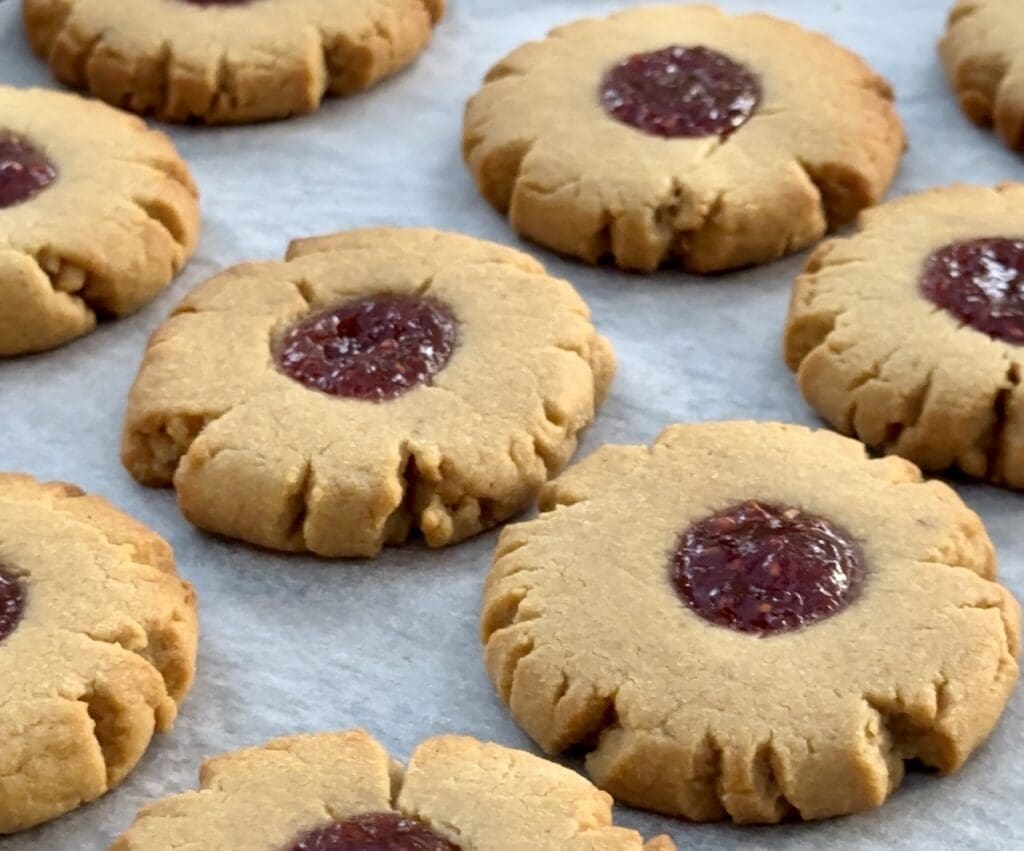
[(983, 50), (227, 61), (910, 334), (339, 791), (751, 621), (377, 384), (97, 215), (97, 647), (681, 134)]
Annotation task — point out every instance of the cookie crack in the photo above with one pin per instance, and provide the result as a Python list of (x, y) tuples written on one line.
[(1001, 419), (154, 448), (915, 731)]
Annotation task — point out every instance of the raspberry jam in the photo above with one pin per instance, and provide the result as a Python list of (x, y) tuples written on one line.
[(25, 171), (681, 91), (375, 832), (981, 282), (375, 349), (12, 603), (763, 569)]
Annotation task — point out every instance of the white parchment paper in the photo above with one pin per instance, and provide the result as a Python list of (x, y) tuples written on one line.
[(296, 645)]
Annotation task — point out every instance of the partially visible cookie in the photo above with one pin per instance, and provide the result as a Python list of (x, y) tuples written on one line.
[(983, 50), (97, 647), (681, 134), (910, 334), (751, 621), (98, 213), (342, 792), (376, 385), (227, 61)]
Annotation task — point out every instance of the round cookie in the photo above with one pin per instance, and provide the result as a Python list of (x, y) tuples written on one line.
[(681, 134), (97, 647), (341, 791), (910, 334), (377, 384), (750, 621), (97, 215), (983, 51), (227, 61)]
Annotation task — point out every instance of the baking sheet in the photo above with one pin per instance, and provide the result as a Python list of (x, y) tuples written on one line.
[(295, 645)]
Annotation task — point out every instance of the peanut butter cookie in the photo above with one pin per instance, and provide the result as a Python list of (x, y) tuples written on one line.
[(342, 792), (97, 647), (227, 61), (377, 384), (910, 334), (983, 50), (681, 134), (751, 621), (97, 215)]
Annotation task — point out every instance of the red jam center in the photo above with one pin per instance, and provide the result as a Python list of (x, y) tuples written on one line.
[(375, 349), (12, 603), (25, 171), (763, 569), (375, 832), (681, 91), (981, 282)]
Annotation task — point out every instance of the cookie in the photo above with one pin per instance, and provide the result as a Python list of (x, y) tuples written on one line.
[(342, 792), (97, 647), (681, 134), (750, 621), (982, 51), (910, 334), (97, 215), (227, 61), (377, 384)]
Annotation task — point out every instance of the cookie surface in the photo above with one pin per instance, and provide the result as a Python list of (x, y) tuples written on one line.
[(227, 61), (97, 215), (678, 609), (377, 384), (97, 647), (681, 134), (456, 793), (983, 51), (910, 334)]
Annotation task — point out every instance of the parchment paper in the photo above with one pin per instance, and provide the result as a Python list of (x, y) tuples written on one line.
[(294, 645)]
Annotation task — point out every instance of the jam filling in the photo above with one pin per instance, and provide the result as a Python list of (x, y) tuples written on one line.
[(12, 603), (25, 171), (681, 91), (375, 832), (374, 349), (981, 282), (763, 569)]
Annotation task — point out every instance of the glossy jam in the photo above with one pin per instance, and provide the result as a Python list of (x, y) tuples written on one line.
[(25, 171), (681, 91), (374, 349), (374, 832), (981, 282), (12, 603), (763, 569)]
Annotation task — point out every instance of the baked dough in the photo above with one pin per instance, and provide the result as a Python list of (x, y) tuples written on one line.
[(590, 646), (256, 455), (478, 796), (823, 144), (111, 231), (104, 651), (227, 62)]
